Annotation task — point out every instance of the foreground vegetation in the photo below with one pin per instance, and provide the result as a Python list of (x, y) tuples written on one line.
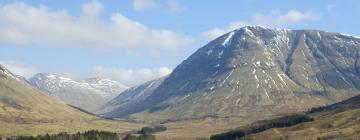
[(88, 135), (262, 126), (151, 130), (146, 133), (33, 129), (140, 137)]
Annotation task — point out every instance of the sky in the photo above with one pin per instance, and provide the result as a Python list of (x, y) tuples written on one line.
[(134, 41)]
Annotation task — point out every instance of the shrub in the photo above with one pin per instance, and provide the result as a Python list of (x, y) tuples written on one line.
[(231, 135), (141, 137), (151, 130)]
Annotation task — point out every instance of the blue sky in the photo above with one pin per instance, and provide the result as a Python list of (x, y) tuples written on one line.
[(133, 41)]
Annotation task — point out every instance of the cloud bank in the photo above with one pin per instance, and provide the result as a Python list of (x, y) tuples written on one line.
[(143, 5), (19, 68), (270, 20), (130, 77), (23, 24)]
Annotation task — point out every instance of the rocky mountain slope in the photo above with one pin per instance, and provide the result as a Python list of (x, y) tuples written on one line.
[(256, 71), (131, 96), (88, 94)]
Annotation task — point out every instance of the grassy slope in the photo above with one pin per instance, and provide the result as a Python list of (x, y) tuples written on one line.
[(342, 125), (16, 129), (338, 121), (25, 110), (194, 129)]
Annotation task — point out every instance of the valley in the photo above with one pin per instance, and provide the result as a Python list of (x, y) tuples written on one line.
[(247, 82)]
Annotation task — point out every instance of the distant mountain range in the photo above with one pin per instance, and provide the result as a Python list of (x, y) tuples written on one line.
[(88, 94), (27, 111), (251, 72), (21, 103)]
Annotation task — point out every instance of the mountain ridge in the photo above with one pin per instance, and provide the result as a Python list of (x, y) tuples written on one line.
[(88, 94)]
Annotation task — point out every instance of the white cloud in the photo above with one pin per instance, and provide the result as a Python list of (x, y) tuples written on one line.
[(23, 24), (19, 68), (143, 5), (175, 7), (216, 32), (130, 77), (271, 20), (292, 16), (94, 8)]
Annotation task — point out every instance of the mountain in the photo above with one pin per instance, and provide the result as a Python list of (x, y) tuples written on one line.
[(106, 85), (337, 121), (22, 103), (254, 72), (88, 94), (26, 111), (131, 96)]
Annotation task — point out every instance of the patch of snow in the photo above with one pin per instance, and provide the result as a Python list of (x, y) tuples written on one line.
[(256, 78), (215, 72), (221, 53), (186, 96), (319, 36), (343, 78), (281, 78), (349, 35), (237, 101), (257, 63), (248, 31), (182, 87), (227, 41), (266, 93), (273, 81), (209, 52), (257, 81), (302, 51), (228, 76), (237, 84)]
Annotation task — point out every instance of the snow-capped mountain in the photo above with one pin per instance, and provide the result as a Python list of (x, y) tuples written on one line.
[(255, 70), (87, 94), (106, 85)]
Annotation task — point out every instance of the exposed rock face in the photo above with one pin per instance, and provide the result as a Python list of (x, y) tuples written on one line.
[(256, 70)]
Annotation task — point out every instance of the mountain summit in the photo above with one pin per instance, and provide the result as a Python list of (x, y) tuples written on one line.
[(87, 94), (256, 70)]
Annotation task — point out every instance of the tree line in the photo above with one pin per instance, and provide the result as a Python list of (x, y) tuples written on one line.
[(88, 135), (265, 125)]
